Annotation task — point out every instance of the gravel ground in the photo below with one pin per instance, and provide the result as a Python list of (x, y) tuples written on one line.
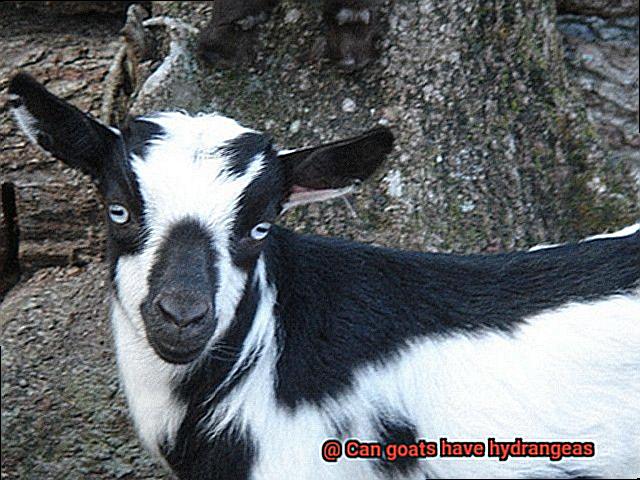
[(63, 416)]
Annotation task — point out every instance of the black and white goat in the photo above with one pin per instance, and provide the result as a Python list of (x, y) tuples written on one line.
[(243, 346)]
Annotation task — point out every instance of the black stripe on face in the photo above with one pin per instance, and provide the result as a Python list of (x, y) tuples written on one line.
[(120, 186), (138, 133), (193, 454), (179, 310), (260, 202), (241, 151)]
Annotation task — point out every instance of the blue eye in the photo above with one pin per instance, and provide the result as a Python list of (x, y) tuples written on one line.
[(118, 214), (260, 231)]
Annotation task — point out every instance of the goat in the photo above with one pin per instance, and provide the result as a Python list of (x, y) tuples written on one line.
[(242, 347), (229, 36)]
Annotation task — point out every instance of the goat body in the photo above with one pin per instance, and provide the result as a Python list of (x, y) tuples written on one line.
[(350, 341), (243, 347)]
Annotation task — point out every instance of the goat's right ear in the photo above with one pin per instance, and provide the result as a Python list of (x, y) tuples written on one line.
[(60, 128), (328, 171)]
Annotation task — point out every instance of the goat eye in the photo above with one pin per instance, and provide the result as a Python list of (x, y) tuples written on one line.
[(260, 231), (118, 214)]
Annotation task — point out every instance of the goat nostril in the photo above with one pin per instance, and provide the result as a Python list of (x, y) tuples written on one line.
[(183, 309)]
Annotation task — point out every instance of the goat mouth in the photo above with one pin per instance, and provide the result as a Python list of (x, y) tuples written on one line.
[(174, 354)]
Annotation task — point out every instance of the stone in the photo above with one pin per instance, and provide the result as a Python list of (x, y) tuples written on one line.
[(348, 105), (601, 8), (603, 65)]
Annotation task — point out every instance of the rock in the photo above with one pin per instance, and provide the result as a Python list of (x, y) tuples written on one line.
[(483, 88), (292, 16), (59, 414), (536, 170), (348, 105), (59, 212), (294, 127), (602, 57), (77, 8), (394, 181), (601, 8)]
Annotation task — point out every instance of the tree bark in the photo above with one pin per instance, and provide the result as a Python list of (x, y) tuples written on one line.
[(493, 151)]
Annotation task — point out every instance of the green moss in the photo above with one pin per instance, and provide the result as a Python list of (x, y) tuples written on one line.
[(590, 211)]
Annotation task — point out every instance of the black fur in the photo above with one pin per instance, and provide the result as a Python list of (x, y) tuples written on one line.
[(121, 186), (260, 202), (185, 270), (352, 304), (338, 164), (82, 142), (241, 151), (137, 134), (9, 239), (63, 130), (228, 456), (397, 430)]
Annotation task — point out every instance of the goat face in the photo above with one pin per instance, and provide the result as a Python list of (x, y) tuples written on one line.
[(190, 201), (208, 190)]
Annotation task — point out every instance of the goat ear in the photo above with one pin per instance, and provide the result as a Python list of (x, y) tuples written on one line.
[(60, 128), (330, 170)]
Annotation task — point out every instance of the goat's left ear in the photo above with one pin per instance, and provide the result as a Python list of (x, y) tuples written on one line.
[(330, 170), (60, 128)]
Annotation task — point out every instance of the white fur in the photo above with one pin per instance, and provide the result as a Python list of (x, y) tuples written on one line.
[(26, 122), (624, 232), (630, 230), (257, 343), (147, 383), (180, 177), (571, 374)]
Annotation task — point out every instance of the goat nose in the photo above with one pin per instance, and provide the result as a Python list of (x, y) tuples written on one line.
[(183, 308)]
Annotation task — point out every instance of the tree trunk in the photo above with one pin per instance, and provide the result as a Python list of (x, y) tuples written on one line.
[(493, 149)]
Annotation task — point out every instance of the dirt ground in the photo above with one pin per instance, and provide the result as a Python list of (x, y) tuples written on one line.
[(56, 373)]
